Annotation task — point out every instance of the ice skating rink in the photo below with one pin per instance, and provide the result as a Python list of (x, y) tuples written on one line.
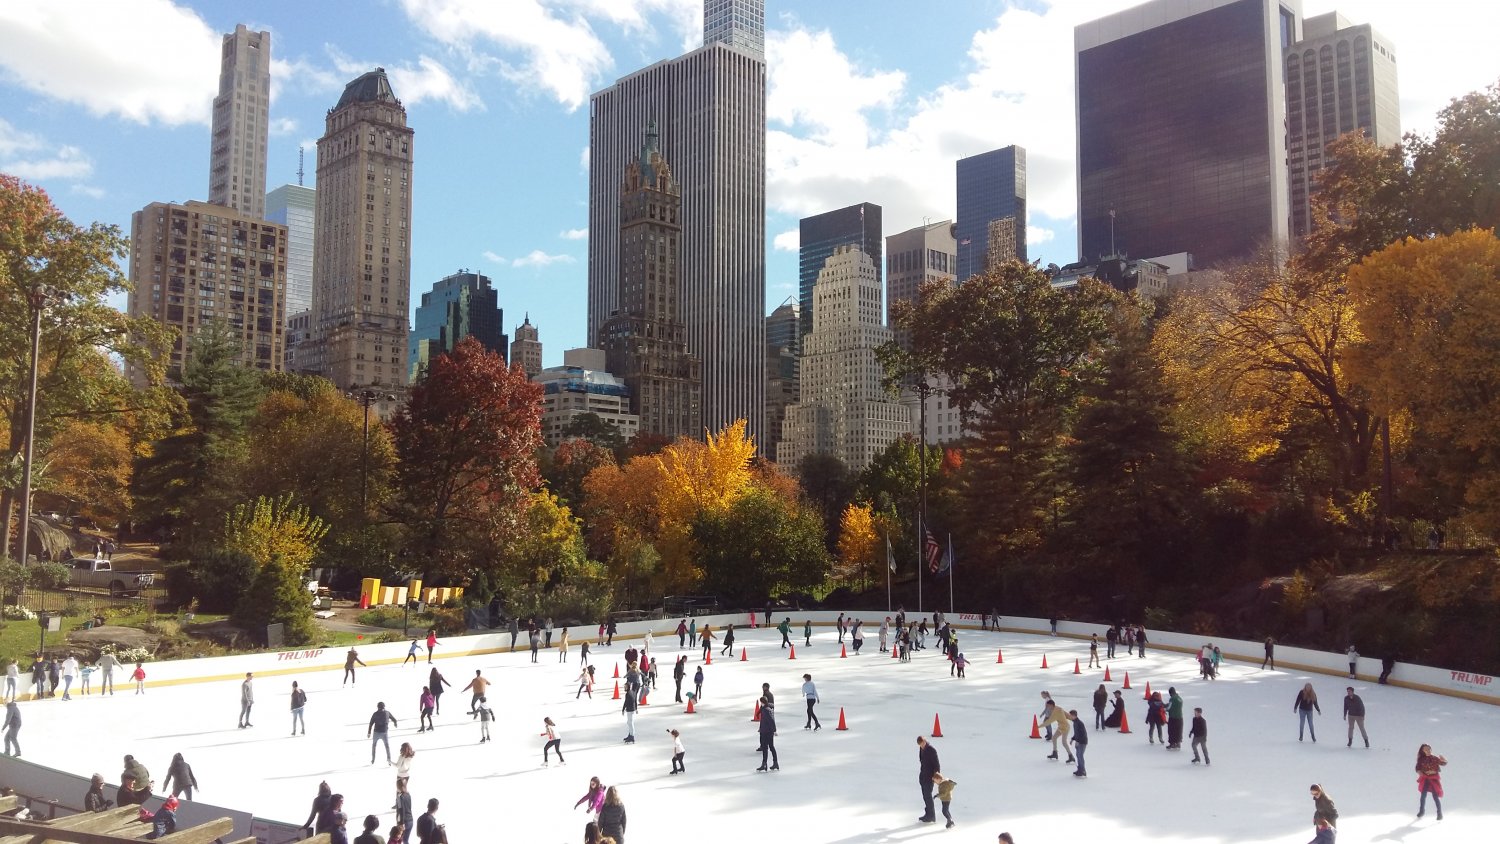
[(843, 787)]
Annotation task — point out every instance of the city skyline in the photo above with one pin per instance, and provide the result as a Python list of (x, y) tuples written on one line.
[(147, 82)]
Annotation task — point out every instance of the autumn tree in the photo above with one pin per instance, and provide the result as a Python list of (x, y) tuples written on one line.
[(88, 465), (760, 546), (592, 427), (467, 440), (566, 467), (281, 537), (829, 485), (860, 547), (546, 571)]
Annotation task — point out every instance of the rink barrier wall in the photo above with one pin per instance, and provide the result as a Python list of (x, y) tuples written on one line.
[(1453, 683)]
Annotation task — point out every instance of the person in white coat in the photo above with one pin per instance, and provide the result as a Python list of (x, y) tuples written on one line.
[(69, 673), (810, 692)]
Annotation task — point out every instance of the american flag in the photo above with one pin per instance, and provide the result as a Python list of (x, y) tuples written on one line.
[(966, 241), (934, 552)]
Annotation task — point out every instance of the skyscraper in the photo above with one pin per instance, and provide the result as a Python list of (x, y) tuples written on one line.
[(644, 340), (1340, 78), (362, 260), (821, 234), (783, 339), (196, 263), (458, 306), (844, 409), (1181, 132), (709, 106), (296, 207), (237, 164), (991, 186), (915, 257), (526, 349)]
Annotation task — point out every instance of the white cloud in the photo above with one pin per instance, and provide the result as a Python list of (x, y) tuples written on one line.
[(832, 109), (145, 61), (90, 191), (430, 80), (583, 159), (492, 257), (302, 75), (538, 258), (29, 156), (788, 241), (574, 234), (13, 140), (1038, 234), (282, 126)]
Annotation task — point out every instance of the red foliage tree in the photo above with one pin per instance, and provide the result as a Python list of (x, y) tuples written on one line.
[(467, 438)]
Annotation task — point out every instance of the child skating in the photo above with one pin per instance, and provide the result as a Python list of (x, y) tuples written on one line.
[(677, 753), (554, 742), (139, 676), (486, 715), (945, 795)]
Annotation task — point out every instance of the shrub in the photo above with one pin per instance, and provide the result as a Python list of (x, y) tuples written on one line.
[(16, 612), (277, 595), (449, 622), (380, 616), (216, 578)]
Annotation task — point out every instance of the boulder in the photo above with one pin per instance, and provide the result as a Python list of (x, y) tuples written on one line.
[(120, 637)]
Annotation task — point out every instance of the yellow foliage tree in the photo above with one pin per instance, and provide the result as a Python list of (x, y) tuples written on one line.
[(275, 529), (859, 545)]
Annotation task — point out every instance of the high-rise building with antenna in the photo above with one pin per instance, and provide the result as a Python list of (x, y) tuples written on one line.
[(237, 164)]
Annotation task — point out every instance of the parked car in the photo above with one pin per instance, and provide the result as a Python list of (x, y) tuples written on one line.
[(90, 573)]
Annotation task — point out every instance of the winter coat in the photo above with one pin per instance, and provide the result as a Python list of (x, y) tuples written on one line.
[(1116, 715), (403, 810), (1156, 712), (1429, 773), (945, 791), (1354, 705), (768, 720), (928, 757), (182, 774), (1323, 808), (1174, 706), (299, 698), (1080, 735), (612, 819), (1059, 719), (1306, 705), (1200, 728), (1101, 698)]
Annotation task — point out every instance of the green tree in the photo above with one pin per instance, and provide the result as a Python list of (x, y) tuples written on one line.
[(761, 546), (592, 427), (545, 571), (566, 467), (829, 485), (282, 538)]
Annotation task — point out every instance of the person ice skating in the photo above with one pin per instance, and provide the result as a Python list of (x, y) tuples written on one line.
[(515, 631), (768, 734), (1156, 719), (411, 655), (402, 806), (927, 759), (682, 631), (486, 715), (435, 682), (785, 628), (1199, 735), (426, 703), (332, 817), (536, 644), (612, 816), (698, 684), (1094, 651), (139, 676), (1061, 726), (94, 799), (858, 636), (610, 630), (728, 641), (1111, 638), (107, 666), (1140, 640), (562, 646), (810, 692), (651, 674), (180, 779), (679, 673), (693, 630), (1354, 713), (1174, 719), (1429, 779), (1323, 808), (583, 652), (593, 799), (406, 759), (585, 682), (944, 795), (1046, 711), (1052, 622), (547, 631), (807, 633), (1117, 713), (706, 637), (378, 731), (247, 700), (648, 643), (350, 659), (12, 727), (432, 642), (1080, 742), (1270, 654), (478, 684), (1101, 700), (554, 741), (840, 625), (1205, 662), (299, 703), (429, 831), (1306, 702), (320, 803), (1218, 657), (628, 710), (83, 678), (370, 836), (1323, 833), (677, 753), (959, 661)]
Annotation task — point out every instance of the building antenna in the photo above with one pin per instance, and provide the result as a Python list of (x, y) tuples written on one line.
[(299, 165), (1112, 232)]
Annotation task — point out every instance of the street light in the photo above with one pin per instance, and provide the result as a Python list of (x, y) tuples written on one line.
[(366, 397), (39, 297)]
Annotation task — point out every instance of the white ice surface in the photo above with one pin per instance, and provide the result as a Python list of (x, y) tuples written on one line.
[(844, 787)]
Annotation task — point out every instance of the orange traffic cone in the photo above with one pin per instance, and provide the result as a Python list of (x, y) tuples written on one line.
[(690, 709), (793, 654), (1106, 674), (1147, 695), (617, 671), (1044, 660), (843, 652), (895, 651), (1124, 722), (709, 660), (1127, 680), (1036, 730), (1076, 669), (937, 727), (617, 690), (999, 656), (644, 691), (756, 716), (842, 725), (743, 657)]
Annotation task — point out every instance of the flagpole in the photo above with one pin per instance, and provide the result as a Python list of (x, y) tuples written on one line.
[(888, 562), (950, 574), (921, 545)]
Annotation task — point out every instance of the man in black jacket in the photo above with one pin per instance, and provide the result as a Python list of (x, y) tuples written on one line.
[(927, 755), (378, 731), (1199, 735), (429, 831), (1354, 713), (678, 672), (1080, 742)]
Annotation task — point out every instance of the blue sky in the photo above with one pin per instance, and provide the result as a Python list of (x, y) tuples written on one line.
[(106, 104)]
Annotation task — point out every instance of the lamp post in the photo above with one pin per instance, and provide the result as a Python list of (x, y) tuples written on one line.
[(39, 296), (366, 397)]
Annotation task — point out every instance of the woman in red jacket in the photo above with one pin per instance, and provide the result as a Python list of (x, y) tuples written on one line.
[(1430, 779)]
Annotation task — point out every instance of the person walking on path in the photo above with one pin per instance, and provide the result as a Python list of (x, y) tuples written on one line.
[(432, 642), (698, 684), (768, 734), (378, 731), (728, 641), (478, 684), (1101, 699), (1323, 808), (1174, 719), (1270, 654), (927, 759), (612, 816), (785, 628), (1353, 661), (554, 742), (411, 656), (435, 682), (1199, 735), (1354, 713), (107, 666), (1429, 778), (180, 779), (247, 699), (810, 692), (677, 753), (426, 703), (1156, 719), (1117, 713), (350, 659), (1094, 651), (706, 637), (536, 644), (1080, 742), (944, 795), (562, 646), (12, 727), (1306, 702), (299, 703), (679, 672)]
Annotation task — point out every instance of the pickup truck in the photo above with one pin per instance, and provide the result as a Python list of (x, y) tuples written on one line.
[(87, 573)]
